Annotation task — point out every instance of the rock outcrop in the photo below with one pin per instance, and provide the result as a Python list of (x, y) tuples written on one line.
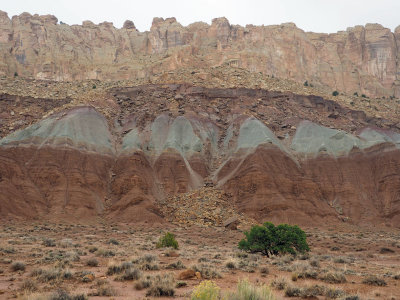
[(362, 59)]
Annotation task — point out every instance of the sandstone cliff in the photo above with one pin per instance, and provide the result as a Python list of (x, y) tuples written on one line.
[(360, 59)]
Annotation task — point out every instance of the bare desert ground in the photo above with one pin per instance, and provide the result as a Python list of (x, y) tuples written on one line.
[(121, 261)]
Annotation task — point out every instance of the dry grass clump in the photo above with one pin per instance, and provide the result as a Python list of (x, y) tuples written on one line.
[(161, 286), (334, 277), (143, 283), (29, 286), (206, 271), (374, 280), (147, 262), (130, 274), (49, 242), (247, 291), (17, 266), (53, 274), (92, 262), (105, 253), (314, 291), (334, 293), (279, 283), (231, 265), (305, 292), (63, 295), (65, 243), (176, 265), (115, 268), (103, 288), (92, 249)]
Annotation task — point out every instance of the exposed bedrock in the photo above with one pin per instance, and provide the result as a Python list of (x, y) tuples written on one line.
[(75, 164), (361, 59)]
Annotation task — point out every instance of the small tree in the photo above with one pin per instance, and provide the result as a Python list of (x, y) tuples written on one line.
[(306, 83), (167, 240), (273, 240), (335, 93)]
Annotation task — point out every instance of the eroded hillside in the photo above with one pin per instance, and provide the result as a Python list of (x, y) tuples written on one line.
[(141, 151)]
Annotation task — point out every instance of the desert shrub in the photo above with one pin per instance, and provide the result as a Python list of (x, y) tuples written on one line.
[(273, 240), (246, 291), (113, 242), (47, 275), (307, 274), (93, 249), (130, 274), (65, 243), (279, 283), (335, 93), (104, 289), (92, 262), (334, 293), (230, 265), (374, 280), (143, 284), (49, 242), (315, 263), (17, 266), (176, 265), (334, 278), (105, 253), (64, 295), (114, 268), (146, 263), (180, 284), (306, 83), (385, 250), (161, 286), (305, 292), (206, 271), (354, 297), (292, 292), (206, 290), (264, 270), (29, 286), (167, 240)]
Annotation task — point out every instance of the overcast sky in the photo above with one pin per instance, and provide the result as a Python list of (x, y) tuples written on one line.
[(310, 15)]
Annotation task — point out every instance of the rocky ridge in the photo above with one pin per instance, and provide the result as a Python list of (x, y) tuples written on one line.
[(362, 59)]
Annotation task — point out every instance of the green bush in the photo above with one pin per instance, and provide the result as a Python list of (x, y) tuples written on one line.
[(335, 93), (168, 240), (273, 240)]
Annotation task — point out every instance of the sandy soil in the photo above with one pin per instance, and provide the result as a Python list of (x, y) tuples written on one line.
[(55, 257)]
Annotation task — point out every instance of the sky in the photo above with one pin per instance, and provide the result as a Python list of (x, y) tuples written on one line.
[(310, 15)]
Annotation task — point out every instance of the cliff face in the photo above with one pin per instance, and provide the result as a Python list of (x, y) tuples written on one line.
[(360, 59)]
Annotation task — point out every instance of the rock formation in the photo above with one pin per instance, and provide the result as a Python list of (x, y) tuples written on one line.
[(268, 155), (362, 59)]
